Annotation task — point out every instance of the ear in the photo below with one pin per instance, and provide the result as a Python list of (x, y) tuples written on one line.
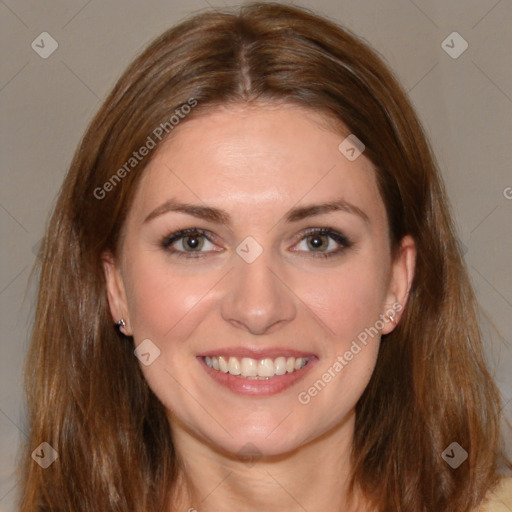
[(116, 291), (402, 275)]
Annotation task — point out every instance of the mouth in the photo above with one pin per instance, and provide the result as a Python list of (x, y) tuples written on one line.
[(250, 368), (259, 375)]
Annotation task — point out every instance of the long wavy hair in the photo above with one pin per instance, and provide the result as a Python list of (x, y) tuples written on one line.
[(86, 394)]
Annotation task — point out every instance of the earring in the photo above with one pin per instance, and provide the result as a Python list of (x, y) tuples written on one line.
[(392, 318), (120, 323)]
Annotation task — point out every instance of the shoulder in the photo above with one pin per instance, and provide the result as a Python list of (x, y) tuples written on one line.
[(498, 499)]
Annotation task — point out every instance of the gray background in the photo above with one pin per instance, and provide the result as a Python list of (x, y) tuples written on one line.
[(464, 103)]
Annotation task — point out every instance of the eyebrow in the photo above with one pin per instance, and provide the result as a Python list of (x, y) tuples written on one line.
[(218, 216)]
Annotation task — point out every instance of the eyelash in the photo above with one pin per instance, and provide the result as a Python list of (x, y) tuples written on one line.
[(167, 242)]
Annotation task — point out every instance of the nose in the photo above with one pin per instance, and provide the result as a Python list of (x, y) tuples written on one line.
[(256, 297)]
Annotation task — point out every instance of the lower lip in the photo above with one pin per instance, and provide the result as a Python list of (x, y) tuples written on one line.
[(257, 387)]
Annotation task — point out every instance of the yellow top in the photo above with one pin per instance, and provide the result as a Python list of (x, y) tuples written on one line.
[(500, 498)]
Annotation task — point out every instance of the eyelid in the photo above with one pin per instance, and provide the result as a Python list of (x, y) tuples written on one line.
[(182, 233), (323, 230)]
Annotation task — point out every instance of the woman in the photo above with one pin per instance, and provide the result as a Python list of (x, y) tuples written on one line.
[(256, 209)]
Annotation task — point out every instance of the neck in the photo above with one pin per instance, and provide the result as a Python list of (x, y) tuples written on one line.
[(314, 477)]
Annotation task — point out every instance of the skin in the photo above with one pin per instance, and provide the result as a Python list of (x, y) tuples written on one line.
[(256, 163)]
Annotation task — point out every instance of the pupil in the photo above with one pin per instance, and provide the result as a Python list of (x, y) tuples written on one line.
[(316, 241), (193, 242)]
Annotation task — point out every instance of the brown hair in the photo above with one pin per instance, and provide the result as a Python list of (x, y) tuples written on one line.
[(87, 396)]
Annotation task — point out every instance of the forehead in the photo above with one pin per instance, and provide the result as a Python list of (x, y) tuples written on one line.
[(254, 159)]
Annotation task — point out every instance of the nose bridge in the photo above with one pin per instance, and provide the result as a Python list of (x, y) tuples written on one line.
[(255, 298)]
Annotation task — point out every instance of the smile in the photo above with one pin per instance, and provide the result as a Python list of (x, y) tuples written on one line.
[(250, 368), (257, 376)]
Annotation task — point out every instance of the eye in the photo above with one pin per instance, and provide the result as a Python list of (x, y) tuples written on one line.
[(323, 242), (191, 242), (195, 243)]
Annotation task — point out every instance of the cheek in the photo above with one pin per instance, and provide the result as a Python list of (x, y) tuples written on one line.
[(159, 300), (167, 307), (348, 304), (347, 300)]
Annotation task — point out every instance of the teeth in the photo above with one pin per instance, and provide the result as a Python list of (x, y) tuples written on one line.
[(266, 368), (234, 366), (223, 365), (299, 363), (256, 369), (249, 367), (280, 366)]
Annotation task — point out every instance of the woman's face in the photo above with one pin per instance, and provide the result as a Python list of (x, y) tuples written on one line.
[(287, 260)]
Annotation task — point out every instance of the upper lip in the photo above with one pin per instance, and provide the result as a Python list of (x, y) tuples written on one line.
[(259, 353)]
